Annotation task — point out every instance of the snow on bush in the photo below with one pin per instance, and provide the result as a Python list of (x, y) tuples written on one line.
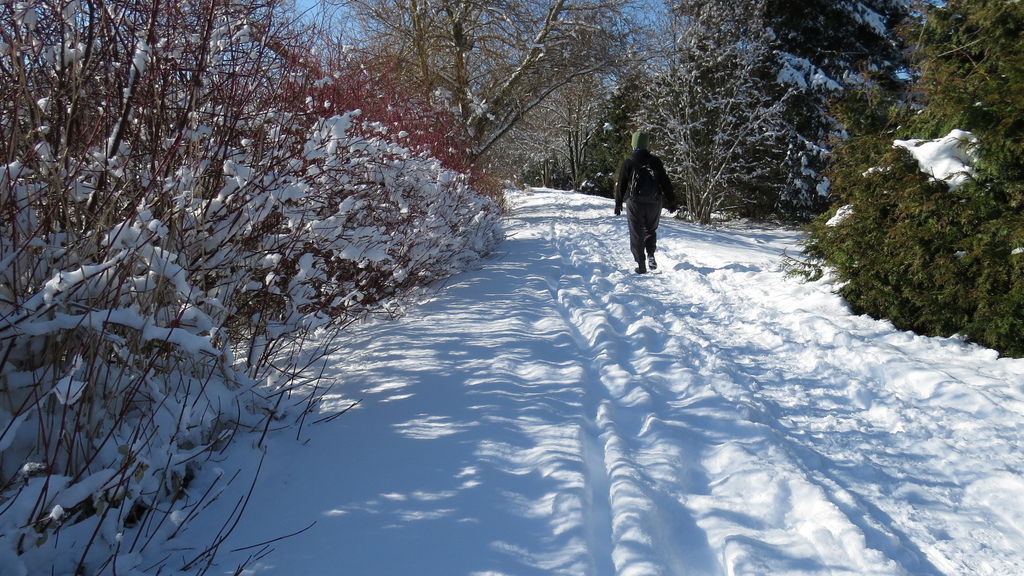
[(950, 159), (172, 231), (842, 213)]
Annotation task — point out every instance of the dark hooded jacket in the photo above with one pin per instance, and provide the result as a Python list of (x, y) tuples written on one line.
[(642, 156)]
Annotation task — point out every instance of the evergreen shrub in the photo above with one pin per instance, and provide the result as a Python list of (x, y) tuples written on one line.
[(933, 258)]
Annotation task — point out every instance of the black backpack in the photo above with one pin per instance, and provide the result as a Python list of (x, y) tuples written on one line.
[(643, 187)]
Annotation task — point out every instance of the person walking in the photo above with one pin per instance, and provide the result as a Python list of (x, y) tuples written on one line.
[(645, 188)]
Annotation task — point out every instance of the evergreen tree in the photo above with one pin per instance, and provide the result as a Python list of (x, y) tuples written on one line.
[(931, 257), (823, 47), (742, 102)]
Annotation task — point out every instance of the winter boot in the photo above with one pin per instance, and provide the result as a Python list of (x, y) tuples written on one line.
[(652, 263), (641, 269)]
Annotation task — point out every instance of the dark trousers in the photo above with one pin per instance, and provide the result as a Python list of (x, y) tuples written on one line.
[(643, 229)]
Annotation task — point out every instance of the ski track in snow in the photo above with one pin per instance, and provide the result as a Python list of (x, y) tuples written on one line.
[(553, 413)]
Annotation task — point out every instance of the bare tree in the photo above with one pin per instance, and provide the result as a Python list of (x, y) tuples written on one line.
[(581, 108), (493, 62), (565, 124), (716, 117)]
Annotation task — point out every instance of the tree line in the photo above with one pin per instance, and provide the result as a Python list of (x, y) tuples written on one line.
[(737, 93), (778, 109)]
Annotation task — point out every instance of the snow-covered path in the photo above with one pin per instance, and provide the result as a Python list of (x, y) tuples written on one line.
[(554, 413)]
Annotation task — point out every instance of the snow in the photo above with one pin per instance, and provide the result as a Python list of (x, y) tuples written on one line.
[(949, 159), (873, 20), (803, 74), (553, 413), (841, 214)]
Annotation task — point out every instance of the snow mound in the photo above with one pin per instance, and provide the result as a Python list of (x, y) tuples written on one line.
[(950, 159)]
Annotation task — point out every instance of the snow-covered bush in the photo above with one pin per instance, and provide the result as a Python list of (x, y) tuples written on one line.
[(174, 224), (380, 89)]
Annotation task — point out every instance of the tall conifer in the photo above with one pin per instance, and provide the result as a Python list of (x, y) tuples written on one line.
[(824, 48)]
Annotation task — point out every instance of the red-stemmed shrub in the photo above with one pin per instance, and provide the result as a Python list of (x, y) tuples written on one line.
[(178, 232)]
